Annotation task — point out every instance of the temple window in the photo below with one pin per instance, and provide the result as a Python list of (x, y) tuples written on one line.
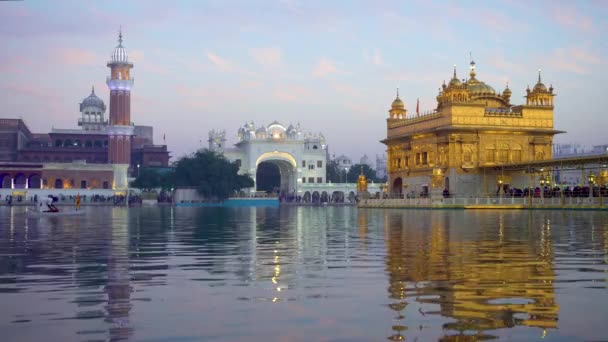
[(303, 163), (503, 156), (311, 179), (319, 179), (516, 155), (425, 158), (490, 155), (467, 156), (303, 179), (319, 164)]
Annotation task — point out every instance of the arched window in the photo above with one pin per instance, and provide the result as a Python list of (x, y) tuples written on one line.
[(58, 183), (490, 153), (67, 143), (58, 143)]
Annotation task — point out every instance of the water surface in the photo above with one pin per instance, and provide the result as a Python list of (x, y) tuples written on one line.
[(303, 274)]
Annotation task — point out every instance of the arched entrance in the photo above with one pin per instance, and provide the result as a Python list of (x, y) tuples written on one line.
[(20, 181), (268, 177), (337, 197), (316, 197), (324, 197), (397, 187), (58, 183), (276, 172), (5, 181), (34, 181)]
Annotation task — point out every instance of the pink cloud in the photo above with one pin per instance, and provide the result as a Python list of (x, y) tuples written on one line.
[(225, 65), (268, 57), (569, 17), (75, 56), (325, 67), (575, 59), (292, 93), (219, 62)]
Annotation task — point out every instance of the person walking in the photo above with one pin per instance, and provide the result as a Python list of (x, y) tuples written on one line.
[(77, 200)]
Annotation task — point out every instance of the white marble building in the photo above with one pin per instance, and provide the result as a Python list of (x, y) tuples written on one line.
[(301, 158)]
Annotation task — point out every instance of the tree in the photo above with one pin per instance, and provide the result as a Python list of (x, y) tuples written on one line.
[(333, 172), (150, 178), (212, 174), (355, 171)]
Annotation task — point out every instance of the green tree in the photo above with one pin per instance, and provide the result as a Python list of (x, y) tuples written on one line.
[(150, 178), (333, 172), (212, 174), (355, 171)]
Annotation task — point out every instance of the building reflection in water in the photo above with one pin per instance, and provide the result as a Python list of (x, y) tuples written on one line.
[(496, 278), (118, 286)]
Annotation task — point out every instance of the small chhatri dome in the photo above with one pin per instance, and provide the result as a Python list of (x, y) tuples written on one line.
[(539, 87), (93, 101), (507, 91), (455, 82), (397, 103), (120, 55)]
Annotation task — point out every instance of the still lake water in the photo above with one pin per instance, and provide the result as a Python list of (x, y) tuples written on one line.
[(303, 274)]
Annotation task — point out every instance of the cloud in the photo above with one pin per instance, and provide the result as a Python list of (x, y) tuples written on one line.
[(225, 65), (570, 18), (375, 58), (292, 93), (574, 59), (220, 63), (325, 67), (268, 57), (75, 56)]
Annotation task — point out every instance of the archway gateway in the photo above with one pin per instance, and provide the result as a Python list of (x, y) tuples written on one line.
[(268, 177), (276, 172)]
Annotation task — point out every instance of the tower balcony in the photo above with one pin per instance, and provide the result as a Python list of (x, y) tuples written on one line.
[(84, 122), (119, 84)]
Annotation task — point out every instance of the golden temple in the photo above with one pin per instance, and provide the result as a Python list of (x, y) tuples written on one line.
[(472, 128)]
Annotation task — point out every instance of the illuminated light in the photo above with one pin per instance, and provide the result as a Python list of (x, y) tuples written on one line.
[(274, 299), (279, 288), (274, 280), (277, 268)]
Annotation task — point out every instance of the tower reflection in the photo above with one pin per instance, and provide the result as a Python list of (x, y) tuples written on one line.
[(118, 286), (483, 279)]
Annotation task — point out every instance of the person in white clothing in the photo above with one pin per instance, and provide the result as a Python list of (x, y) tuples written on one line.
[(45, 204)]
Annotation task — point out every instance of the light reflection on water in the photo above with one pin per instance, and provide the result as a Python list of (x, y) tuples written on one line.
[(303, 274)]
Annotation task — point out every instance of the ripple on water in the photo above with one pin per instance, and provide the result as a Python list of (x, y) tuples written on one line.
[(331, 273)]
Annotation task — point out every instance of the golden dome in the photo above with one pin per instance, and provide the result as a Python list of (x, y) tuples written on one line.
[(539, 87), (455, 82), (507, 91), (480, 88), (398, 104)]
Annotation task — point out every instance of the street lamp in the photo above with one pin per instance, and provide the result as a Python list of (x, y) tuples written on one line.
[(591, 180), (499, 181), (543, 181), (137, 170)]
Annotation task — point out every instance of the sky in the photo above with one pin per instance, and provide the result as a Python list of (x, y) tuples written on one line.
[(332, 66)]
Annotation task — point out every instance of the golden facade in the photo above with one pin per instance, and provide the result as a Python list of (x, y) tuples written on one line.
[(472, 127)]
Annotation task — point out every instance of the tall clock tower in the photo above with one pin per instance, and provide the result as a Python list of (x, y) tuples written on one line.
[(120, 128)]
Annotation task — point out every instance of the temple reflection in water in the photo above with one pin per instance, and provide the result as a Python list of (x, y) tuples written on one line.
[(483, 284)]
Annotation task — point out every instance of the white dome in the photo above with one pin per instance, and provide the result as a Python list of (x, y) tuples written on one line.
[(120, 54)]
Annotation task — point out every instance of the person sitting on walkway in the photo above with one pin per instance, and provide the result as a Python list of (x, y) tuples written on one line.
[(48, 203)]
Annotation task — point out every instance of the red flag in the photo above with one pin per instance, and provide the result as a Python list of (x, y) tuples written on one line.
[(417, 106)]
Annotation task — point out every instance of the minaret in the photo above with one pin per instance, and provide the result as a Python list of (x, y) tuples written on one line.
[(120, 129)]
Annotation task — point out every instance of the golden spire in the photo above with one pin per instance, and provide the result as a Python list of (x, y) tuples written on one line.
[(454, 70), (472, 64)]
